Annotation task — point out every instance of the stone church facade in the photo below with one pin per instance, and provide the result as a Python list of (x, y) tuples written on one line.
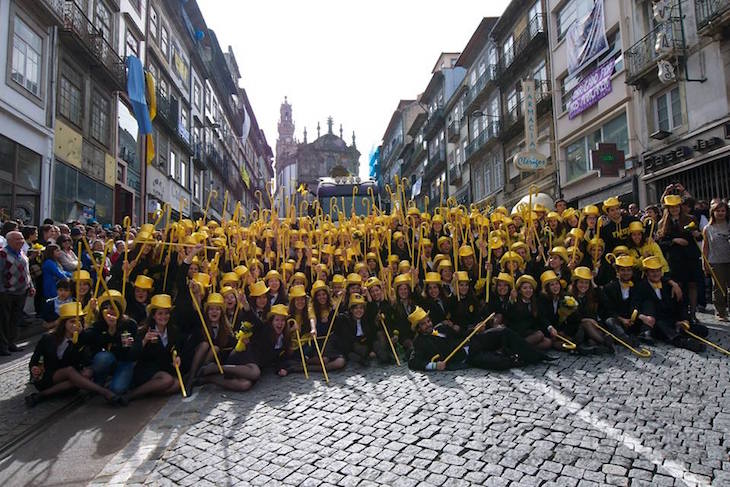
[(305, 162)]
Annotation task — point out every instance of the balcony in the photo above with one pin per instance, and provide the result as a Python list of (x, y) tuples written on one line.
[(53, 10), (543, 103), (479, 91), (484, 140), (434, 124), (712, 16), (88, 41), (524, 45), (453, 131), (199, 157), (167, 111), (642, 57), (455, 174), (215, 160)]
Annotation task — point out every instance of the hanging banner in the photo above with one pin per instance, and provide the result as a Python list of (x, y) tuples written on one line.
[(586, 39), (529, 159), (591, 89)]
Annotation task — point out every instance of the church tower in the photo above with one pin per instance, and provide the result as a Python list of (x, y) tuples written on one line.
[(286, 149)]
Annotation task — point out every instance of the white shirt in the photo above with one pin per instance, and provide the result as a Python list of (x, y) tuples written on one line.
[(163, 338), (279, 342), (61, 349), (358, 332)]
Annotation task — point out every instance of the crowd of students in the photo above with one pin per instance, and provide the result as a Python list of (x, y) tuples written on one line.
[(153, 310)]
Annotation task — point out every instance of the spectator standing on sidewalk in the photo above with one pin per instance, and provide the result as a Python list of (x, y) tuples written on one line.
[(716, 246), (15, 285)]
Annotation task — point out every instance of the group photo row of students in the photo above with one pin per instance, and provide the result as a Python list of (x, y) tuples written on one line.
[(178, 304)]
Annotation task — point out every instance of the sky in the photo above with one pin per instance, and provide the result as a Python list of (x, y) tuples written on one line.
[(352, 60)]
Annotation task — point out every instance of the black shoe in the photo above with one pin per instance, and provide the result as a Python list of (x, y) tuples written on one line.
[(4, 352), (32, 400), (586, 349), (14, 348), (546, 357), (645, 337), (689, 344)]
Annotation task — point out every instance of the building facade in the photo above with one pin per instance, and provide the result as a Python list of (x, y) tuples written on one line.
[(593, 105), (305, 162), (28, 51), (396, 159), (683, 124)]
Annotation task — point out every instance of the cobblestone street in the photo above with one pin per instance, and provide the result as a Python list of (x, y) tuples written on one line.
[(582, 421)]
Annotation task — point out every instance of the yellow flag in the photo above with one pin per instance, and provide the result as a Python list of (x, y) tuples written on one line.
[(151, 95), (150, 148)]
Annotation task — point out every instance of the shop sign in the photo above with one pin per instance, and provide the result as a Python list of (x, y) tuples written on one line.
[(608, 159)]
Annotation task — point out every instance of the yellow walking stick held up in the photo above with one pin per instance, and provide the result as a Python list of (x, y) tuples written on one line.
[(127, 224), (205, 329)]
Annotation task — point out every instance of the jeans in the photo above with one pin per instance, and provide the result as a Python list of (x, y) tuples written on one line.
[(106, 364)]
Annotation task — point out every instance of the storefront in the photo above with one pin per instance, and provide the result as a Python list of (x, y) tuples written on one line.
[(700, 163), (77, 196), (20, 178)]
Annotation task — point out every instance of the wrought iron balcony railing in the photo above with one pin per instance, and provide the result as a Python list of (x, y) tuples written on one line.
[(711, 12), (434, 123), (662, 41), (91, 39), (489, 133), (521, 45), (476, 93)]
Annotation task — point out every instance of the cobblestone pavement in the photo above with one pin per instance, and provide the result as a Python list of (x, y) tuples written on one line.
[(583, 421)]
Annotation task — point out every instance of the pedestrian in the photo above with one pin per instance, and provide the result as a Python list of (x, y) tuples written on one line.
[(52, 270), (15, 285), (67, 257), (716, 247)]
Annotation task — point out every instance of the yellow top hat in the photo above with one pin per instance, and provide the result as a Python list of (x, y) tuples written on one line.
[(495, 243), (404, 266), (353, 278), (611, 203), (591, 210), (300, 245), (82, 276), (537, 207), (143, 237), (582, 272), (225, 290), (548, 276), (437, 219), (624, 261), (258, 288), (511, 257), (159, 301), (519, 245), (672, 200), (373, 281), (371, 256), (636, 227), (215, 299), (561, 252), (427, 242), (620, 250), (297, 292), (147, 227), (356, 299), (256, 263), (596, 242), (279, 310), (202, 278), (416, 317), (229, 278), (554, 215), (462, 276), (70, 310), (577, 233), (578, 253), (359, 265), (397, 235), (338, 279), (401, 279), (526, 278), (652, 262), (319, 286), (433, 278), (414, 211), (569, 212), (144, 282), (504, 277), (212, 224), (288, 267), (393, 259), (444, 264), (272, 274), (466, 251), (115, 296), (442, 240)]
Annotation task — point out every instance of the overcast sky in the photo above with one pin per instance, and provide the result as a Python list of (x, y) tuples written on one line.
[(351, 60)]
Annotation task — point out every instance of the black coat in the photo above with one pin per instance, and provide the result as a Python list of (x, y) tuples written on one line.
[(426, 347), (613, 305), (346, 330), (47, 347), (97, 338)]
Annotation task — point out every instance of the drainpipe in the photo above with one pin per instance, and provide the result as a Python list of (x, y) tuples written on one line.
[(49, 161)]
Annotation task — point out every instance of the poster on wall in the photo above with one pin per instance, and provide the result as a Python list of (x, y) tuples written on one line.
[(586, 39)]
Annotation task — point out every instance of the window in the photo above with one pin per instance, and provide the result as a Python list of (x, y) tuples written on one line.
[(183, 172), (184, 117), (196, 95), (163, 87), (539, 74), (196, 185), (77, 197), (131, 46), (70, 103), (207, 99), (165, 41), (577, 154), (100, 118), (153, 71), (492, 56), (487, 178), (173, 164), (27, 57), (154, 23), (20, 176), (668, 110), (512, 101), (534, 17), (507, 53), (574, 9), (103, 20), (497, 172)]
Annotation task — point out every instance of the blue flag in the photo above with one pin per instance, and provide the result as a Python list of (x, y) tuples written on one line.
[(136, 93)]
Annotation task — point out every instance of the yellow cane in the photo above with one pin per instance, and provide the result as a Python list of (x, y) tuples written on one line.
[(321, 361), (686, 328), (332, 322), (476, 330), (387, 335), (177, 372), (127, 223), (293, 322), (205, 329), (643, 353)]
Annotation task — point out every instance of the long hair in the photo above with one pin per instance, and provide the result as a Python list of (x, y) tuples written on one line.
[(591, 297), (302, 316), (322, 310), (225, 330), (533, 301), (286, 333), (714, 207), (442, 294), (666, 221)]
